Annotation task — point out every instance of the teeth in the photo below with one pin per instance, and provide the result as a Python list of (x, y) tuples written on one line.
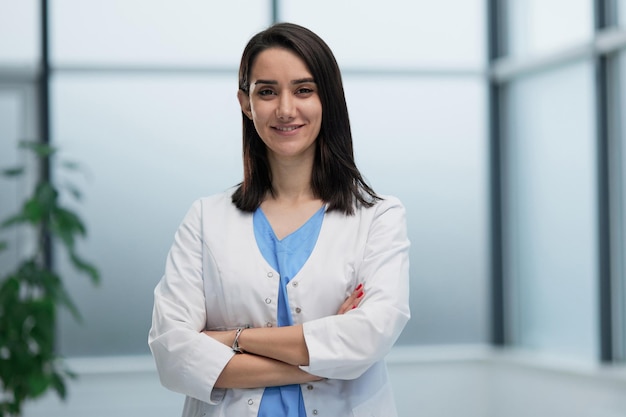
[(286, 129)]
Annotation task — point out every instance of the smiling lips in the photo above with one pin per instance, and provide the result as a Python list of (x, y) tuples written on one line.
[(286, 128)]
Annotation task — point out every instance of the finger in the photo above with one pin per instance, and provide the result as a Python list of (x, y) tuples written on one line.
[(358, 298), (347, 305), (353, 300)]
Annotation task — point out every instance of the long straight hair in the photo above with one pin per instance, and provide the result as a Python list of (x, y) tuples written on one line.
[(335, 178)]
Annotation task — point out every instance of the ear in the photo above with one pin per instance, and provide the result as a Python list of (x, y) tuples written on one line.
[(244, 102)]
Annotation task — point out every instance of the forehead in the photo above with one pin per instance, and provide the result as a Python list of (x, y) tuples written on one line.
[(278, 63)]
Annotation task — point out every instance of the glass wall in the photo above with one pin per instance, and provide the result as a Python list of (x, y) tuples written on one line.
[(143, 96), (397, 34), (438, 170), (620, 6), (563, 180), (407, 77), (551, 167), (19, 63), (535, 27), (150, 109), (10, 120), (153, 34), (19, 20), (152, 144)]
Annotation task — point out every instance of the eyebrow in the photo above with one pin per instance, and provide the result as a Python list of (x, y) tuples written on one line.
[(293, 82)]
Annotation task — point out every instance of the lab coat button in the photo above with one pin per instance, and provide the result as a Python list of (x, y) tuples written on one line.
[(315, 412), (269, 324), (298, 310), (268, 300), (250, 402), (270, 274), (309, 387), (295, 284)]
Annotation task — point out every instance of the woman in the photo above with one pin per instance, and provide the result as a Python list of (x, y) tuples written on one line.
[(282, 297)]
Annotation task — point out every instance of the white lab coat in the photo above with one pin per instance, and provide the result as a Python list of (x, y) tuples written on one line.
[(216, 278)]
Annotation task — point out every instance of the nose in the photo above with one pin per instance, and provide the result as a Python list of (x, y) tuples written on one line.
[(286, 107)]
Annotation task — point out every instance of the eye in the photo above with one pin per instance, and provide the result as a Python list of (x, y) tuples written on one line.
[(305, 91), (266, 92)]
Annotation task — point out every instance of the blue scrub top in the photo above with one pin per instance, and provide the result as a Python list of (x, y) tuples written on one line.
[(286, 256)]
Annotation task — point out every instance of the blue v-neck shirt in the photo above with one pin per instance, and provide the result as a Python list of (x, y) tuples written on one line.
[(287, 256)]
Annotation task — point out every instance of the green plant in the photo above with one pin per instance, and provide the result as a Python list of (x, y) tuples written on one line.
[(30, 295)]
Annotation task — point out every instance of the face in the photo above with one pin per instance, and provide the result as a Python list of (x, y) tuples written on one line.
[(284, 104)]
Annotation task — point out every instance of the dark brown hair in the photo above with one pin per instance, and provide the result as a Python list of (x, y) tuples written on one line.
[(335, 178)]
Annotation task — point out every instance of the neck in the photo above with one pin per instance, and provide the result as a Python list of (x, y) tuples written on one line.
[(291, 180)]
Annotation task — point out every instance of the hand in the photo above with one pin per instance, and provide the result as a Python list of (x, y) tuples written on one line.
[(353, 300)]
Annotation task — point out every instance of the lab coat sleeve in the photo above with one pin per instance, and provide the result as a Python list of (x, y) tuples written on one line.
[(188, 361), (345, 346)]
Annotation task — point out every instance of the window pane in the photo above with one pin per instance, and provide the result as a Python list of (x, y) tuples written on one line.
[(621, 12), (424, 140), (396, 33), (551, 217), (151, 145), (17, 122), (537, 27), (10, 121), (19, 32), (140, 32)]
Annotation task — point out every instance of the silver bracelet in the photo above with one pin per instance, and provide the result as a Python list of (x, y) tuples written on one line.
[(236, 347)]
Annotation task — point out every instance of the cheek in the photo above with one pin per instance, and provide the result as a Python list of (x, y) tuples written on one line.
[(313, 111), (258, 126), (319, 117), (260, 112), (257, 119)]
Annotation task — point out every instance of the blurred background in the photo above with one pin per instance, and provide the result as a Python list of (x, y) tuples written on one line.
[(498, 123)]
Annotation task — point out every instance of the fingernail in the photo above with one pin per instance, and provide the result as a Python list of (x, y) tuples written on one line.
[(353, 307), (359, 287), (360, 295)]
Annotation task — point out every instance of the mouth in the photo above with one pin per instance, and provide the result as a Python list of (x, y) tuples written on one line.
[(287, 128)]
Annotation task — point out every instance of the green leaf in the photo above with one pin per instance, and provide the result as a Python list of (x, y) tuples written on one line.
[(66, 225), (39, 148), (64, 298), (58, 384), (54, 288), (37, 208), (33, 212), (73, 190), (41, 318), (69, 373), (38, 384), (9, 292), (32, 293), (12, 172), (30, 272), (46, 195), (70, 221), (15, 219), (71, 165), (85, 267)]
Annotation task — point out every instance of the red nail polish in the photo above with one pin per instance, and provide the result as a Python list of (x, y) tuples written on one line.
[(353, 307), (360, 295), (359, 287)]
